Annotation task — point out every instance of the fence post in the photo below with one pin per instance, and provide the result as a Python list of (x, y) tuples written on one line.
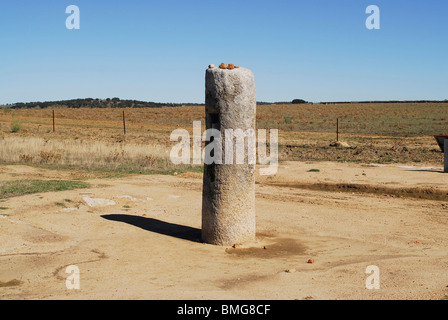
[(124, 124), (337, 129)]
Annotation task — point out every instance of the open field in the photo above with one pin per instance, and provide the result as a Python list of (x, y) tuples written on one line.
[(379, 133), (383, 201)]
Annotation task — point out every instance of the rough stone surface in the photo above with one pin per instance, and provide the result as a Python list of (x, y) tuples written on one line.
[(228, 203), (93, 202)]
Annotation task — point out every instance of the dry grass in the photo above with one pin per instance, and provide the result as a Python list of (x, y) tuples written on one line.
[(376, 119), (84, 154)]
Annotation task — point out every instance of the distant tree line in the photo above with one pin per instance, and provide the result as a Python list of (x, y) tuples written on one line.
[(118, 103), (298, 101), (94, 103), (388, 101), (301, 101), (295, 101)]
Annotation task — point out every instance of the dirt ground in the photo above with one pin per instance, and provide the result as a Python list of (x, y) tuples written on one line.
[(146, 243)]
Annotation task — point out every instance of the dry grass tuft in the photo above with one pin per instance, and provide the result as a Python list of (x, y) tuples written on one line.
[(88, 154)]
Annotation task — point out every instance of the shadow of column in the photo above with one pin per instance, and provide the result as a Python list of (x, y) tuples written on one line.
[(158, 226)]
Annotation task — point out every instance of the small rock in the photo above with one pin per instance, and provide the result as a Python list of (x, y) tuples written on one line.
[(340, 144), (211, 66), (92, 202), (223, 66), (230, 66), (128, 197), (290, 270), (310, 261)]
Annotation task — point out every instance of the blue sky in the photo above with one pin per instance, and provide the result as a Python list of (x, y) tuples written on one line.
[(317, 50)]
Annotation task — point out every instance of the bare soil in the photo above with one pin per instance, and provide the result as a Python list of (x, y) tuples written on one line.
[(147, 245)]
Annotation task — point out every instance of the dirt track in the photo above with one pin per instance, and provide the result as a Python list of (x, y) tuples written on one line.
[(147, 246)]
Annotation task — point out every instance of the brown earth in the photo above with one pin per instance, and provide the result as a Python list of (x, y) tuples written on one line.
[(147, 245)]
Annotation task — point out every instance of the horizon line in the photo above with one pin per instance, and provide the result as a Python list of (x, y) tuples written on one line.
[(203, 103)]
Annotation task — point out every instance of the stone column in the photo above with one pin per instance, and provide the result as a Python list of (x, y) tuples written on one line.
[(445, 167), (228, 200)]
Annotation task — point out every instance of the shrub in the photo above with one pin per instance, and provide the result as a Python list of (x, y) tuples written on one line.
[(49, 157), (288, 119), (298, 101), (26, 158), (16, 126)]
